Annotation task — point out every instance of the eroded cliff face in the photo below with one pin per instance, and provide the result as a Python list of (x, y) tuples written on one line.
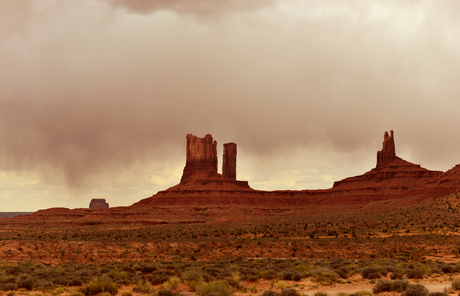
[(388, 152), (229, 161), (201, 155)]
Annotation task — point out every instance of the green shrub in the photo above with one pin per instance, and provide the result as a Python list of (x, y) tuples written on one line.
[(320, 294), (399, 285), (235, 280), (268, 274), (167, 292), (289, 292), (214, 288), (157, 279), (291, 275), (143, 287), (415, 273), (195, 275), (447, 268), (390, 286), (456, 284), (371, 273), (25, 281), (325, 277), (99, 285), (397, 275), (382, 286), (270, 293), (127, 293), (281, 285), (148, 268), (173, 283), (415, 290), (361, 293), (438, 294), (8, 286)]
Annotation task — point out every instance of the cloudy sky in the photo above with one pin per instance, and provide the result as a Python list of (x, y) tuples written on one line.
[(97, 96)]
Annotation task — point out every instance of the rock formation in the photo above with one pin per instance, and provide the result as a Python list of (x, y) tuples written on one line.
[(203, 191), (392, 176), (201, 156), (229, 161), (388, 152), (98, 203)]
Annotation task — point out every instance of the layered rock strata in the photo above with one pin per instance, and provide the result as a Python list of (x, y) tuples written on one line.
[(229, 161), (98, 203)]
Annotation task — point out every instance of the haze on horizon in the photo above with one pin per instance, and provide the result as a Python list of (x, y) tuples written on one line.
[(97, 96)]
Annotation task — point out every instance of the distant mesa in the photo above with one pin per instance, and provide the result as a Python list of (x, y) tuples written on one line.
[(98, 203)]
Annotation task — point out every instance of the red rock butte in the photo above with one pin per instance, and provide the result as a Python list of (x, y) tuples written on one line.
[(203, 192), (392, 178), (98, 203)]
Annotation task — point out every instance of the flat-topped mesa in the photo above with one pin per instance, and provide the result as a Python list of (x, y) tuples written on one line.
[(201, 155), (388, 152), (229, 161), (98, 203)]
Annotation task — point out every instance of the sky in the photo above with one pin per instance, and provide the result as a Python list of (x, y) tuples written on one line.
[(97, 96)]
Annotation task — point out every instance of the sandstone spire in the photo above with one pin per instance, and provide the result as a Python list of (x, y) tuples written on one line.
[(201, 155), (229, 161), (388, 152)]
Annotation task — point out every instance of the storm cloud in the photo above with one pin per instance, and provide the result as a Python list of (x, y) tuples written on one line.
[(96, 94)]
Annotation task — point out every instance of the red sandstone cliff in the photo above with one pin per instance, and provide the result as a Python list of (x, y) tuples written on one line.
[(201, 156)]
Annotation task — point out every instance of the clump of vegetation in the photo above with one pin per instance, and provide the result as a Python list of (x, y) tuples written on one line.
[(173, 283), (415, 290), (167, 292), (281, 285), (416, 273), (390, 286), (99, 285), (142, 286), (289, 292), (371, 273), (438, 294), (270, 293), (214, 288), (456, 284)]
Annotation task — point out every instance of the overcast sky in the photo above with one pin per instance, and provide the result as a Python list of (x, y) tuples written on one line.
[(97, 96)]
